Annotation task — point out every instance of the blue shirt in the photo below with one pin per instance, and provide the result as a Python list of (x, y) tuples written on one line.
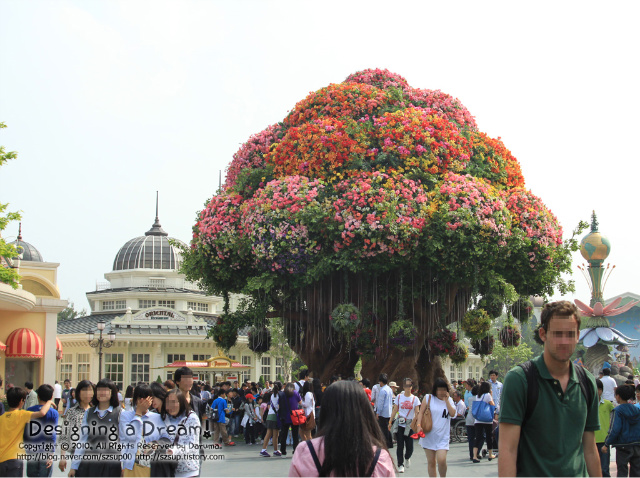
[(36, 434), (384, 402), (496, 388), (221, 404)]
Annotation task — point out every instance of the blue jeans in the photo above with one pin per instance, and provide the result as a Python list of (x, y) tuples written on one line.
[(605, 458), (234, 425), (39, 468)]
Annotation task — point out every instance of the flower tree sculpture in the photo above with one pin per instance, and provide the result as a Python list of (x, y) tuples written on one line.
[(381, 200)]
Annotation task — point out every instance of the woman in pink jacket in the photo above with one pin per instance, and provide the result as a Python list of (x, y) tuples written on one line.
[(349, 441)]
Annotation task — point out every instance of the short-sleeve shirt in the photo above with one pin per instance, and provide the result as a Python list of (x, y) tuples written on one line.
[(551, 440), (11, 430), (407, 405), (605, 407), (438, 437)]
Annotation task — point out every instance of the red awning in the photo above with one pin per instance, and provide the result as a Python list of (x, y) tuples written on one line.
[(24, 343), (58, 349)]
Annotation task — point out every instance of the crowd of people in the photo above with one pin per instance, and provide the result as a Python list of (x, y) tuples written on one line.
[(344, 428)]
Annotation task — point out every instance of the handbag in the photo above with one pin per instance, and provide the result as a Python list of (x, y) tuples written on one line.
[(310, 423), (482, 411), (427, 420), (298, 417)]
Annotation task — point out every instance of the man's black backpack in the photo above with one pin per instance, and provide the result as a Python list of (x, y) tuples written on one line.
[(531, 373)]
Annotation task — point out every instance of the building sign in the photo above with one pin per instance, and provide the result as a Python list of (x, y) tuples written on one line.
[(159, 315), (221, 363)]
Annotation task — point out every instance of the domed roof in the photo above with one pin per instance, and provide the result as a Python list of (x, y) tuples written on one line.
[(28, 251), (151, 251)]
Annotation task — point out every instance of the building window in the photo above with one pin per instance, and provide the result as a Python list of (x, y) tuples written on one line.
[(175, 357), (232, 357), (114, 304), (460, 373), (146, 303), (83, 367), (266, 368), (477, 373), (114, 368), (156, 283), (470, 371), (139, 368), (167, 303), (201, 357), (245, 374), (198, 306), (279, 368), (66, 368)]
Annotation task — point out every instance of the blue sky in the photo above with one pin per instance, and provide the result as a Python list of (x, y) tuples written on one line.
[(107, 102)]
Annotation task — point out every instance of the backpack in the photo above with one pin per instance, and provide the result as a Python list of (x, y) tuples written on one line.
[(531, 373), (212, 413)]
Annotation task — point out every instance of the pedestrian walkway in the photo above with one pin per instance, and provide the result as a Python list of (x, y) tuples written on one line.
[(243, 460)]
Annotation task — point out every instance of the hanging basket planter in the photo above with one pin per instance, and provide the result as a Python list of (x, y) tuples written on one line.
[(259, 339), (522, 309), (510, 336), (402, 334), (443, 342), (476, 323), (493, 308), (484, 346), (224, 333), (345, 319), (365, 342), (459, 354)]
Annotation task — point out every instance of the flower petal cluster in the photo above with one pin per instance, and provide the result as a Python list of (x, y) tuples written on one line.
[(378, 215), (251, 154), (274, 222), (379, 78)]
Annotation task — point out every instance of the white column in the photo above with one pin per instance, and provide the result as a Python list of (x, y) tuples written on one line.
[(49, 360)]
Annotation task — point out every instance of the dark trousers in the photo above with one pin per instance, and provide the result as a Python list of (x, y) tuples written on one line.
[(471, 438), (11, 468), (284, 431), (384, 426), (628, 456), (39, 468), (486, 429), (402, 441), (605, 459), (249, 433)]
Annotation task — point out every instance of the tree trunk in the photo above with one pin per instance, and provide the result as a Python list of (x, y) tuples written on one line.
[(311, 335)]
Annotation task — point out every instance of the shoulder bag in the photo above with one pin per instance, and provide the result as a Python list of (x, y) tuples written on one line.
[(482, 411), (427, 420)]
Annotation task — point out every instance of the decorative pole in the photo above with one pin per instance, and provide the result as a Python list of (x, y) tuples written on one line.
[(598, 335), (100, 342)]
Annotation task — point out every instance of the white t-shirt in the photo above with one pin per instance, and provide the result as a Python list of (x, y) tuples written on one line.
[(406, 405), (57, 390), (461, 408), (273, 406), (438, 437), (484, 398), (309, 404), (608, 388)]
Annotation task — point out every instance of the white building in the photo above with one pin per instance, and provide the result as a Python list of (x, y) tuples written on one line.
[(158, 317)]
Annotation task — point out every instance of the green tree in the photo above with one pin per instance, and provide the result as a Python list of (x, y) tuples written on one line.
[(70, 313), (280, 348), (8, 275), (504, 359)]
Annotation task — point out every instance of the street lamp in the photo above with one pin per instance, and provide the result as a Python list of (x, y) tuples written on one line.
[(100, 342)]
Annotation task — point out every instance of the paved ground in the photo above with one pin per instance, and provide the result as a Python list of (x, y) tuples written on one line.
[(243, 460)]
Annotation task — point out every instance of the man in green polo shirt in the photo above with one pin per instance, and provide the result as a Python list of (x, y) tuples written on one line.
[(558, 439)]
